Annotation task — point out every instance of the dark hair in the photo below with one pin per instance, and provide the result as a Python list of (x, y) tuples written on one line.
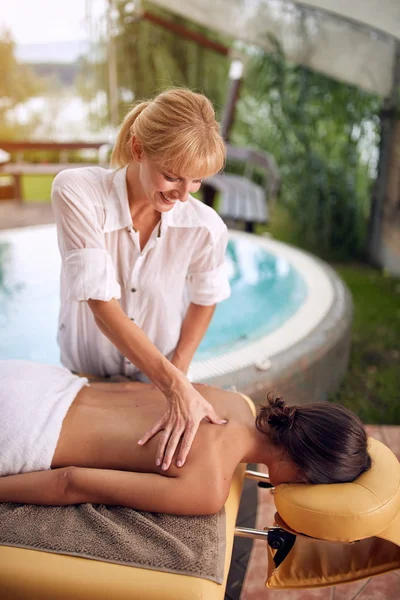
[(327, 442)]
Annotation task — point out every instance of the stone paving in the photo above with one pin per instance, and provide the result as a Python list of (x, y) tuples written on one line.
[(16, 214)]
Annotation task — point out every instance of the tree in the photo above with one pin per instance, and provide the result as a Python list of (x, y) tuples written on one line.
[(17, 84), (150, 58), (317, 129)]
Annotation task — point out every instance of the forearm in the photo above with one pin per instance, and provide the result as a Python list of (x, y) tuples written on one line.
[(133, 343), (141, 491), (76, 485), (194, 327), (49, 488)]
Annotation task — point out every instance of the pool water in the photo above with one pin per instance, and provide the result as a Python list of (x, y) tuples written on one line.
[(266, 291)]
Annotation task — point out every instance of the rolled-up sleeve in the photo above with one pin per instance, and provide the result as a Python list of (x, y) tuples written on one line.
[(208, 281), (88, 267)]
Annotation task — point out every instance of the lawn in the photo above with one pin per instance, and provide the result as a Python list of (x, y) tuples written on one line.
[(372, 385), (35, 188)]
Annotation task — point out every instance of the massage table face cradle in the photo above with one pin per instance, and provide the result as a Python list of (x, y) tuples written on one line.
[(334, 533)]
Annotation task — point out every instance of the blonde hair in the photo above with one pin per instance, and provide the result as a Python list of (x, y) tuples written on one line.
[(177, 130)]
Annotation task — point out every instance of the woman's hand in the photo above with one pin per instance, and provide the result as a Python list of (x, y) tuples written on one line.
[(180, 423), (186, 407)]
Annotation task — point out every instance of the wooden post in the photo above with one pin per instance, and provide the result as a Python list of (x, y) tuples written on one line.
[(235, 82), (18, 187), (63, 156)]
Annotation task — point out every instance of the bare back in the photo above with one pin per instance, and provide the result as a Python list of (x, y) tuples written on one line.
[(105, 422)]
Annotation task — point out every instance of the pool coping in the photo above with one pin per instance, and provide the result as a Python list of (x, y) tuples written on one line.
[(313, 367), (260, 352)]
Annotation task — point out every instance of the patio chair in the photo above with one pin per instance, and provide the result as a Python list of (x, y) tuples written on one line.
[(241, 199)]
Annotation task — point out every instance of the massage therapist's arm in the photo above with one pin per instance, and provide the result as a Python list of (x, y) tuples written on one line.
[(133, 343), (194, 327), (141, 491), (186, 407)]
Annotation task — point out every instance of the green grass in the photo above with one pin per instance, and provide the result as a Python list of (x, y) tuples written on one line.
[(372, 385), (36, 188)]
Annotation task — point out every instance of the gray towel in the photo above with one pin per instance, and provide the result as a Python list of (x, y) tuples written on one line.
[(185, 545)]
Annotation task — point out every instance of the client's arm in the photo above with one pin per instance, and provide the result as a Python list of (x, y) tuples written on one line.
[(143, 491)]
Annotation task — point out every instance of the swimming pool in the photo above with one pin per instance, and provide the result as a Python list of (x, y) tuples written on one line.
[(286, 327), (266, 291)]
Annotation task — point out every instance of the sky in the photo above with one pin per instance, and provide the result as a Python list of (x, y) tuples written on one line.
[(41, 21)]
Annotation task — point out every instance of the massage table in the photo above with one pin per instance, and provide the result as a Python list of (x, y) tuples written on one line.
[(323, 535)]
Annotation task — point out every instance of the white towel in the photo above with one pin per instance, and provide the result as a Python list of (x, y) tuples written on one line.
[(34, 400)]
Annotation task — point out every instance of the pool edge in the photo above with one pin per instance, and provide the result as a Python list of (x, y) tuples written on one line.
[(313, 368)]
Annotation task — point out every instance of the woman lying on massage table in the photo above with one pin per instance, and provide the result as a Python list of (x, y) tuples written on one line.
[(65, 442)]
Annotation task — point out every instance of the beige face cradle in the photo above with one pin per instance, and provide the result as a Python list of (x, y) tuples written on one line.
[(337, 533)]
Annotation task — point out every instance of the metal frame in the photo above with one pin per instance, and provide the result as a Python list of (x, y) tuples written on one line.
[(277, 538), (247, 532)]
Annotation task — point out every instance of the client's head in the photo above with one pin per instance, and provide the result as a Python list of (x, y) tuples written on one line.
[(322, 442)]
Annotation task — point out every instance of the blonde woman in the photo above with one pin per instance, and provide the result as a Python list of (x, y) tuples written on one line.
[(143, 261)]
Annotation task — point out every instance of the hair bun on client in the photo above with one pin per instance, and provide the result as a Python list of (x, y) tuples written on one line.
[(277, 414), (325, 441)]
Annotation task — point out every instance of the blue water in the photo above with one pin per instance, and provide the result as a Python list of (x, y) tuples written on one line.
[(266, 291)]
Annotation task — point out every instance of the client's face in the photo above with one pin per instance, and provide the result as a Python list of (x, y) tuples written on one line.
[(281, 470)]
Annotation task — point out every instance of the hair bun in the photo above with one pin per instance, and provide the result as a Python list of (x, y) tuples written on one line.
[(280, 416)]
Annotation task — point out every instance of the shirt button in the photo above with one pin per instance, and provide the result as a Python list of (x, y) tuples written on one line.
[(133, 289), (132, 319)]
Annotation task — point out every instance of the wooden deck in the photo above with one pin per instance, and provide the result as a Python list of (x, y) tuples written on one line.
[(22, 166), (16, 214)]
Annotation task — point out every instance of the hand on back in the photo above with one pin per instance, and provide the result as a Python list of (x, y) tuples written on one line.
[(179, 424)]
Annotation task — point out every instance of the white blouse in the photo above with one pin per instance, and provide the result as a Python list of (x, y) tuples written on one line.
[(182, 262)]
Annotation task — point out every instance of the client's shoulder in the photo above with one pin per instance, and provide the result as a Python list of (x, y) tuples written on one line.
[(232, 403)]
